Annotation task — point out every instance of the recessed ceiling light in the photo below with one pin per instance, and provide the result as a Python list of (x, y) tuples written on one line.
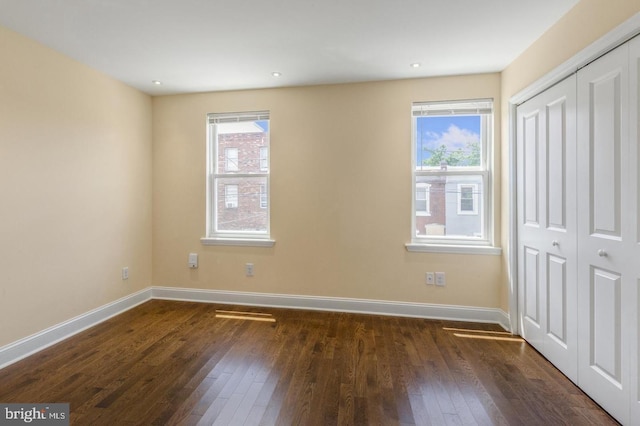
[(276, 74), (415, 65), (156, 82)]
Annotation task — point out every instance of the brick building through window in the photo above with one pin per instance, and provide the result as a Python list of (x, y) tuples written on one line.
[(242, 201)]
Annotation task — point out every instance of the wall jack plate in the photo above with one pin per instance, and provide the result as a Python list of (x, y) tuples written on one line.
[(193, 260), (430, 278), (440, 279)]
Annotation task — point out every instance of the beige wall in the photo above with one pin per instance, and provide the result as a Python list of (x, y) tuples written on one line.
[(585, 23), (75, 188), (341, 195), (76, 184)]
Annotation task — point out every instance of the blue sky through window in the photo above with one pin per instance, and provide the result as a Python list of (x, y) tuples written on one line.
[(455, 132)]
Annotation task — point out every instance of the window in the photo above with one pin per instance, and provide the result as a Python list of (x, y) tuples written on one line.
[(231, 196), (231, 159), (423, 191), (264, 158), (451, 173), (467, 199), (263, 197), (238, 179)]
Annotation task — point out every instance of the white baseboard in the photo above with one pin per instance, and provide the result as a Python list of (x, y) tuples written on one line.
[(336, 304), (22, 348)]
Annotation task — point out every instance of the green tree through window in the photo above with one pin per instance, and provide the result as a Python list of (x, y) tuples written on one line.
[(470, 156)]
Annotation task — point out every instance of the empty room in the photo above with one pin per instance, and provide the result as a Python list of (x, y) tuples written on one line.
[(319, 213)]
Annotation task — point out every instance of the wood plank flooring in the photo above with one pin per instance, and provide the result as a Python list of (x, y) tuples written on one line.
[(180, 363)]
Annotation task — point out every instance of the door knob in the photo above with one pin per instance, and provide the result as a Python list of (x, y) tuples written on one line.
[(555, 243), (602, 253)]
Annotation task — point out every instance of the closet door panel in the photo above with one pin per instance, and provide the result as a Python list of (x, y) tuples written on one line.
[(530, 164), (532, 298), (602, 188), (532, 286), (606, 348), (632, 227), (556, 160), (604, 144), (546, 162), (557, 297)]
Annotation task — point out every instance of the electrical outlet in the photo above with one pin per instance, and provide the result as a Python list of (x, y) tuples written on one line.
[(193, 260), (430, 278), (125, 273), (248, 269), (440, 280)]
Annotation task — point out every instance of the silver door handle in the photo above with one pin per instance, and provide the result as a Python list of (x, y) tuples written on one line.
[(555, 243), (602, 253)]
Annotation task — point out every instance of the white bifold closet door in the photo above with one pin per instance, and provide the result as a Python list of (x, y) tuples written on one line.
[(605, 271), (579, 228), (634, 228), (546, 200)]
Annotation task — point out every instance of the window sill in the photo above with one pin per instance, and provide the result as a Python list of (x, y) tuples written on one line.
[(453, 249), (238, 242)]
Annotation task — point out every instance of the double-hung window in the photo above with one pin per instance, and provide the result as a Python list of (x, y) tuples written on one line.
[(238, 179), (451, 170)]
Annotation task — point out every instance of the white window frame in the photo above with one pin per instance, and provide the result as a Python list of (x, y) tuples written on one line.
[(474, 199), (217, 169), (482, 244)]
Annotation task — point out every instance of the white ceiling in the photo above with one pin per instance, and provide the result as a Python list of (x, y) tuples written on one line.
[(208, 45)]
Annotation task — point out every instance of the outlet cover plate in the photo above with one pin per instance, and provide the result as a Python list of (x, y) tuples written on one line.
[(430, 278)]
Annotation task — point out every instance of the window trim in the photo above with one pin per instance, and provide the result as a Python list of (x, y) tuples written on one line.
[(214, 172), (453, 249), (455, 244)]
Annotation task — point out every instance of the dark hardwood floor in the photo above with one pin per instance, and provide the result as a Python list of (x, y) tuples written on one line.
[(180, 363)]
